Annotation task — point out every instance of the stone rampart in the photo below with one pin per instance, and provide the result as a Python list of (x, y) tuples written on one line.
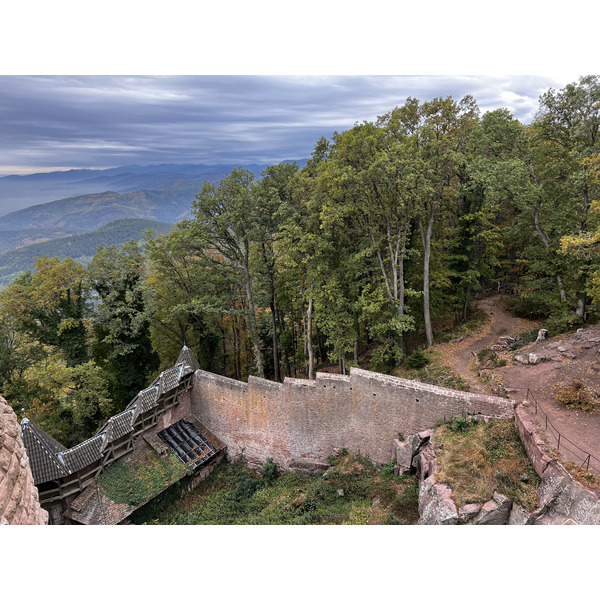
[(299, 423), (19, 503)]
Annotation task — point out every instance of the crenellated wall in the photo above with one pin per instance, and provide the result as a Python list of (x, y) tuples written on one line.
[(19, 502), (299, 423)]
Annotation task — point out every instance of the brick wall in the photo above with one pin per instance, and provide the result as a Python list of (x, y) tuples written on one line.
[(300, 423), (19, 502)]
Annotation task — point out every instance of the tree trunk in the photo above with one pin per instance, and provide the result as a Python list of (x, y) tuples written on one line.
[(276, 374), (258, 358), (546, 242), (580, 308), (426, 239), (311, 361)]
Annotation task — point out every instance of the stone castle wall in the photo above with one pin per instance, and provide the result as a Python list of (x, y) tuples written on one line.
[(299, 423), (19, 502)]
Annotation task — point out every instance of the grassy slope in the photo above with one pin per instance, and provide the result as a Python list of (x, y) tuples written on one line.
[(477, 459), (234, 495)]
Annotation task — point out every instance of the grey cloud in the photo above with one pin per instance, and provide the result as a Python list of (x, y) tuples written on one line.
[(101, 121)]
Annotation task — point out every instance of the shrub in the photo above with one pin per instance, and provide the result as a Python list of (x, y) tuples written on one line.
[(488, 358), (562, 323), (270, 471), (384, 358), (462, 424), (418, 359), (530, 307), (577, 396)]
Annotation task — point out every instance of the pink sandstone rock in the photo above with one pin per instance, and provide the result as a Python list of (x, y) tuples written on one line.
[(19, 502), (494, 512), (468, 512), (436, 506)]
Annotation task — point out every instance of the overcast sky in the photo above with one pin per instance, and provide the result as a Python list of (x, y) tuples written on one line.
[(51, 122)]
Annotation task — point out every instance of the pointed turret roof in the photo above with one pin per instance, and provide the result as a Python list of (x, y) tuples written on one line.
[(187, 358), (43, 451)]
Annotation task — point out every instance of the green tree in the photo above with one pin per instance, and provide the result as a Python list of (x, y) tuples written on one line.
[(443, 132), (51, 306), (122, 346), (225, 228)]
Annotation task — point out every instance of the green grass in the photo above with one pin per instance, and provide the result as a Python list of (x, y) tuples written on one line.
[(434, 372), (476, 459), (133, 484), (236, 495)]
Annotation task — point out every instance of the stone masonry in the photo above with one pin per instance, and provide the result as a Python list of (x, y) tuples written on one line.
[(19, 503), (299, 423)]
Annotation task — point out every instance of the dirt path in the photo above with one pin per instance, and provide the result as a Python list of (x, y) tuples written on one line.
[(459, 355), (568, 357)]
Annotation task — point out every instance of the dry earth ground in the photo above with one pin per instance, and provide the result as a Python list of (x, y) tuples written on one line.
[(574, 356)]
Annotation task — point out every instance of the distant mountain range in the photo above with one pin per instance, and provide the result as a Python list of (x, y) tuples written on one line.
[(84, 213), (20, 191), (56, 209), (79, 247)]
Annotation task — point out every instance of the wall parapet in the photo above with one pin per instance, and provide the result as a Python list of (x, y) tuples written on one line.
[(302, 421)]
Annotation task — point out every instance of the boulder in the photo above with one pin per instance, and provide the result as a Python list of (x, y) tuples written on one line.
[(404, 452), (519, 516), (468, 512), (522, 358), (494, 512), (424, 462), (535, 359), (436, 506)]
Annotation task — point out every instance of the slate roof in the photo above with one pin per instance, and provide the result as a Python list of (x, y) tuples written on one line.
[(42, 451), (118, 425), (92, 507), (146, 400), (50, 460), (187, 358), (170, 378), (83, 454)]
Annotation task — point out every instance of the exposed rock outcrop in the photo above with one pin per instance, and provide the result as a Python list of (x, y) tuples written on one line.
[(436, 506), (19, 501), (562, 500), (405, 451)]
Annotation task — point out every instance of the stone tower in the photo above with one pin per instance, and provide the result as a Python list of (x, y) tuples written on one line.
[(19, 502)]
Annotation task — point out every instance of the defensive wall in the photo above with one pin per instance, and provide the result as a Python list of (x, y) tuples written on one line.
[(299, 423)]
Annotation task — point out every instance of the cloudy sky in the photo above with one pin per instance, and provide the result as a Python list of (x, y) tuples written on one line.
[(53, 122), (259, 81)]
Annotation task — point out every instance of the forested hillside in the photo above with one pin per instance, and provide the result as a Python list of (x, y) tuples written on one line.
[(93, 210), (390, 230), (79, 247), (39, 188)]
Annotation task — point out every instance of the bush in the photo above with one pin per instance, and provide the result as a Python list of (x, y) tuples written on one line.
[(529, 307), (489, 359), (384, 358), (462, 424), (418, 359), (270, 471), (562, 323), (577, 396)]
